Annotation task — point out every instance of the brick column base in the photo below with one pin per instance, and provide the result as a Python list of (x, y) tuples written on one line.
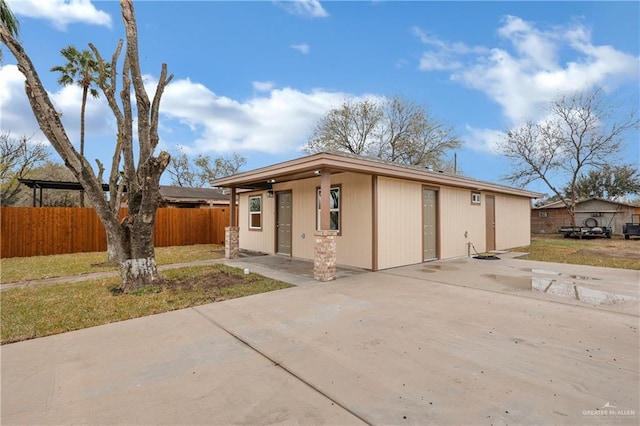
[(324, 262), (231, 242)]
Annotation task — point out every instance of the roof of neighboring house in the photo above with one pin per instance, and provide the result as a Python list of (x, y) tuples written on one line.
[(181, 194), (560, 204), (169, 193), (56, 184), (310, 166)]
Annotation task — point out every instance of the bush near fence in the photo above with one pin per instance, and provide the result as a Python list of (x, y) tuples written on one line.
[(38, 231)]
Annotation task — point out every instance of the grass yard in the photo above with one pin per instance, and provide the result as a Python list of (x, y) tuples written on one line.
[(39, 267), (38, 311), (610, 253)]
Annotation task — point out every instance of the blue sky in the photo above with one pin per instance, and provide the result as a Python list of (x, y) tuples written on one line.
[(255, 77)]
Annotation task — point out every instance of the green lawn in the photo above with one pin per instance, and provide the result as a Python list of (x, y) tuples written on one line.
[(611, 253), (60, 265), (42, 310)]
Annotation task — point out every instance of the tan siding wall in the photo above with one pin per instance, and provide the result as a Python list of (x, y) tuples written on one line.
[(513, 227), (458, 216), (354, 245), (257, 240), (399, 223)]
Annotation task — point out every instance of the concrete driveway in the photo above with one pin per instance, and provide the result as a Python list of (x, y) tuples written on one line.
[(454, 342)]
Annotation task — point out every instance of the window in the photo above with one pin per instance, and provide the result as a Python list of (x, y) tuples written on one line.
[(475, 198), (334, 209), (543, 214), (255, 212)]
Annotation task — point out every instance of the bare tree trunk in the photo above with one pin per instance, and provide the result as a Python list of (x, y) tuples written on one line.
[(139, 268), (130, 242)]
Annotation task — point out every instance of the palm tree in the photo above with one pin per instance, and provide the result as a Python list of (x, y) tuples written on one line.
[(8, 19), (82, 68)]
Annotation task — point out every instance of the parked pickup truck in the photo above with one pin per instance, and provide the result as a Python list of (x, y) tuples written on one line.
[(589, 230), (632, 229)]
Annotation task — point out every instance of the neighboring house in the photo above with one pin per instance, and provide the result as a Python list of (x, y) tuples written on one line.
[(549, 218), (383, 214), (184, 197), (172, 196)]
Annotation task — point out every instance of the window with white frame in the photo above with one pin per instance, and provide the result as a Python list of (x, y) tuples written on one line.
[(255, 212), (334, 209), (475, 198)]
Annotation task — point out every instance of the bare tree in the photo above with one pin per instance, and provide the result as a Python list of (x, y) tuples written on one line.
[(130, 240), (198, 173), (394, 129), (349, 128), (18, 157), (581, 133), (50, 170), (221, 166), (181, 171)]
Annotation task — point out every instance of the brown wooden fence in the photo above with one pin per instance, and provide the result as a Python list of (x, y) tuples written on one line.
[(36, 231)]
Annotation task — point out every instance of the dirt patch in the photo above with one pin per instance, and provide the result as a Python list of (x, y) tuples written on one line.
[(624, 249), (213, 280), (605, 247)]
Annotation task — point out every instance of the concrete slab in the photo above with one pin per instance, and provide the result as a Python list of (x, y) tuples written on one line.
[(173, 368), (398, 350), (458, 344), (607, 288), (284, 268)]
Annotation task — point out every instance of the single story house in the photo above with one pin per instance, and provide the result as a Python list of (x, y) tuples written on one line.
[(185, 197), (549, 218), (336, 208)]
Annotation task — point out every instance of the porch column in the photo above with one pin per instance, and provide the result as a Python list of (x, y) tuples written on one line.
[(232, 232), (324, 262), (232, 212)]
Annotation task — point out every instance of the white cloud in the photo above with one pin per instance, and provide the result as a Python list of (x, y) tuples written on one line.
[(61, 12), (278, 120), (432, 61), (533, 68), (483, 140), (263, 86), (302, 48), (275, 122), (445, 47), (17, 116), (307, 8), (444, 56)]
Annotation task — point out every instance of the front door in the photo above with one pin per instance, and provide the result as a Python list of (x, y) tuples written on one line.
[(429, 224), (490, 201), (283, 223)]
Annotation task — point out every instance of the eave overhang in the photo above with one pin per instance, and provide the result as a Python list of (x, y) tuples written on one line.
[(310, 166)]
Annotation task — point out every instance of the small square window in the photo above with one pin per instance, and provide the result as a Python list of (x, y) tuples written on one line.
[(543, 214), (475, 198)]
